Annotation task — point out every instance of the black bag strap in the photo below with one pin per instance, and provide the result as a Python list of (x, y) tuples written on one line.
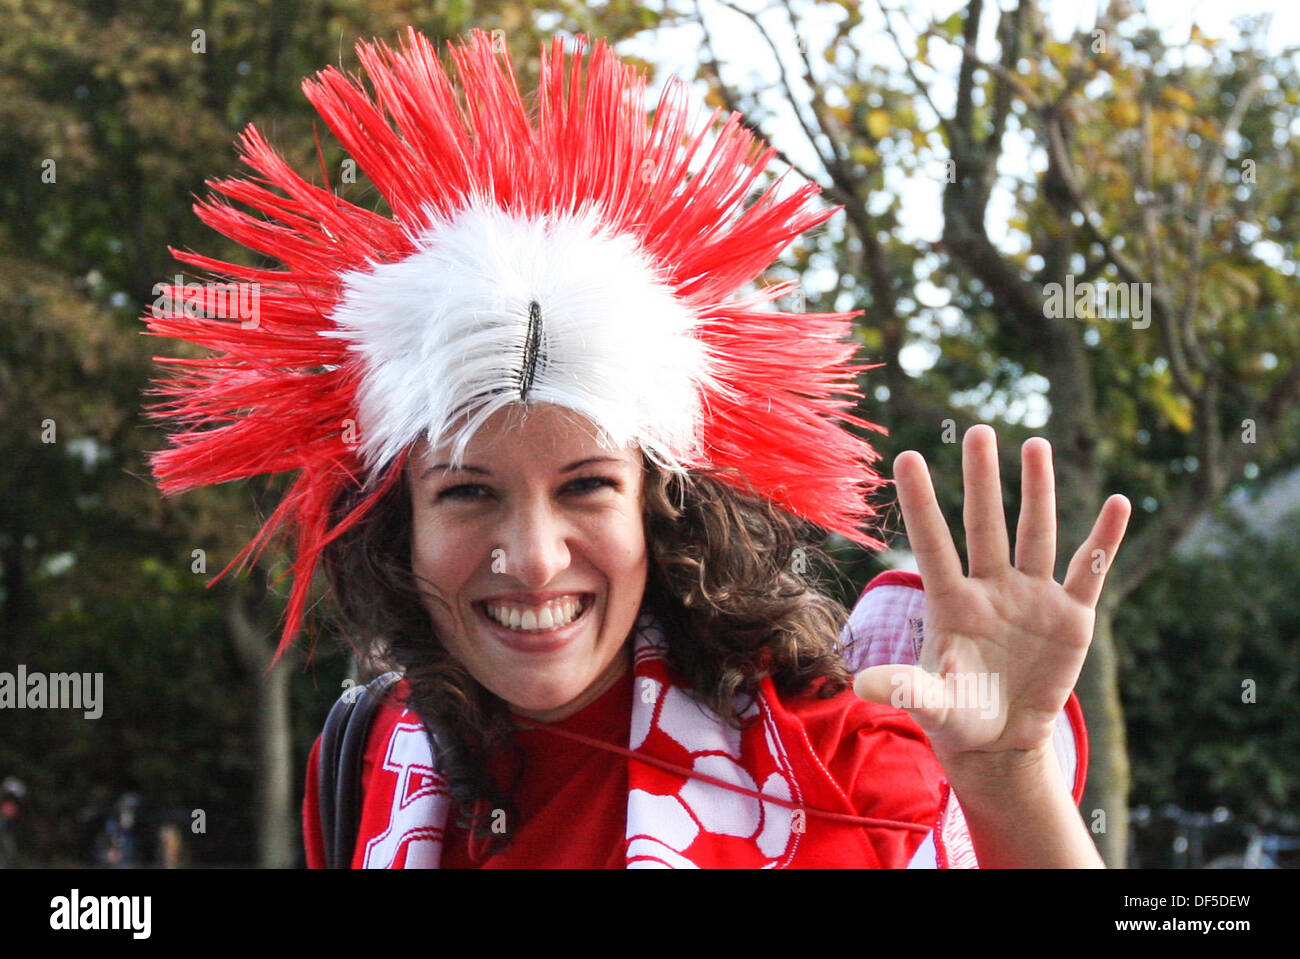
[(342, 747)]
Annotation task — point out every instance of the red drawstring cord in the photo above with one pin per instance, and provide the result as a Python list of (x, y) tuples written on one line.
[(681, 771)]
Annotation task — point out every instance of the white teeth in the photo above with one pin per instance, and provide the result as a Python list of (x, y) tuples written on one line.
[(553, 615)]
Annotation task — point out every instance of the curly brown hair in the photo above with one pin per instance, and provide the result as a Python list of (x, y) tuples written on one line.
[(720, 579)]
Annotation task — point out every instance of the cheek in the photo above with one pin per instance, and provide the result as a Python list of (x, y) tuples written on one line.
[(625, 550), (439, 563)]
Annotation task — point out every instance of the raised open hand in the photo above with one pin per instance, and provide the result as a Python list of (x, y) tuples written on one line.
[(1005, 644)]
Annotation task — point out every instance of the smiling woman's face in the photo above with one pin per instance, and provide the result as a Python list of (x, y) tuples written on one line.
[(537, 546)]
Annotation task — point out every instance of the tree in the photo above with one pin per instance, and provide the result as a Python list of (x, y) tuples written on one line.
[(1211, 698), (112, 116), (1143, 292)]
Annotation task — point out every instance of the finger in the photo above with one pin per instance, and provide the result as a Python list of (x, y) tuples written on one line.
[(905, 687), (1087, 573), (927, 530), (987, 549), (1036, 531)]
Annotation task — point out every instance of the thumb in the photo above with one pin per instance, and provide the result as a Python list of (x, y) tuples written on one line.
[(905, 687)]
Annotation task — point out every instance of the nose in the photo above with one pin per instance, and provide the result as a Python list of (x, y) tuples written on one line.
[(534, 545)]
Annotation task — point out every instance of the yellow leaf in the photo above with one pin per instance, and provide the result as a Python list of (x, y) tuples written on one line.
[(878, 123), (864, 155), (1124, 113), (1176, 409), (1059, 53), (1179, 98), (953, 25)]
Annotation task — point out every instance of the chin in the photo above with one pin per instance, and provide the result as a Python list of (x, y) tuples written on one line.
[(545, 699), (542, 694)]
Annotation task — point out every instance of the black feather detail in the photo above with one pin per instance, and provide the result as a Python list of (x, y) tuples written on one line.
[(532, 349)]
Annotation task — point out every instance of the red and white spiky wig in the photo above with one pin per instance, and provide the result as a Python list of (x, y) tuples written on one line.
[(589, 257)]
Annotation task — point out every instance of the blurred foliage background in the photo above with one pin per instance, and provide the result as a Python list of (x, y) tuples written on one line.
[(1118, 154)]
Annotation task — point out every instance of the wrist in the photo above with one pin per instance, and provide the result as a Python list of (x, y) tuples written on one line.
[(1015, 776), (1019, 809)]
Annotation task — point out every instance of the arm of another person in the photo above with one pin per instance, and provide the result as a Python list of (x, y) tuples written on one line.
[(1004, 648)]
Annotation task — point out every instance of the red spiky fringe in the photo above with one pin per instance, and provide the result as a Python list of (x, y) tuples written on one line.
[(279, 397)]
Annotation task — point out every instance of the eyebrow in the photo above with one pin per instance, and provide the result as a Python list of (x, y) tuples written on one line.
[(478, 469)]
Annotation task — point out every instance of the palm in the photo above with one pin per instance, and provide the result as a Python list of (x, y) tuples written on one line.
[(1005, 644)]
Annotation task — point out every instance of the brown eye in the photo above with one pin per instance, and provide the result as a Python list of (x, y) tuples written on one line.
[(588, 484), (465, 492)]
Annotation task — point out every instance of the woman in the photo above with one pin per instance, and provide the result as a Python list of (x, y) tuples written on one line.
[(558, 466)]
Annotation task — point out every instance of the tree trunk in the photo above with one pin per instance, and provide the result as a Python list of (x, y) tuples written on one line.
[(1073, 432), (277, 820), (1108, 768)]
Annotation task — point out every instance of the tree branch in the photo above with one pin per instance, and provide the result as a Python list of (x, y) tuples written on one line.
[(1216, 159), (1031, 98), (789, 92), (965, 204), (1010, 28), (963, 116), (732, 103), (1129, 271), (921, 88), (1163, 532)]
